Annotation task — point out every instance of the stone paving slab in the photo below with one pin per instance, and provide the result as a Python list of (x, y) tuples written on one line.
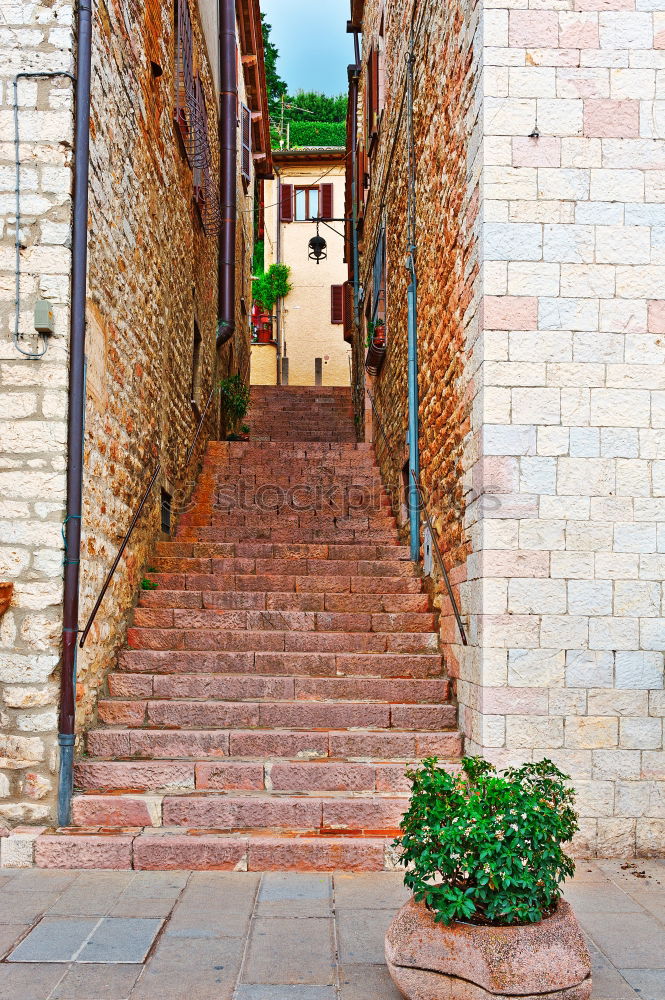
[(55, 939), (101, 982), (209, 935)]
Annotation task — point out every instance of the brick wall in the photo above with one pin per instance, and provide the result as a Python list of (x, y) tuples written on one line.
[(152, 275), (542, 426)]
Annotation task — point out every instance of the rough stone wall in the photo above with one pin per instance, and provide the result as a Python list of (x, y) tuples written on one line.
[(152, 274), (572, 561), (445, 130), (32, 415)]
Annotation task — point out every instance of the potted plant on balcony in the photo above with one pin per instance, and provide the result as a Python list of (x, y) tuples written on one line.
[(234, 393), (485, 863)]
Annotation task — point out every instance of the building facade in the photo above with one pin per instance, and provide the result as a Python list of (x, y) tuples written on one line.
[(514, 152), (153, 351), (307, 345)]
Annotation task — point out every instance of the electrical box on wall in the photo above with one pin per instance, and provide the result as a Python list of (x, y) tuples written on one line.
[(44, 318)]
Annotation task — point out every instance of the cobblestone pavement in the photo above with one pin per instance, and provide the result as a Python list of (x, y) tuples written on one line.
[(106, 935)]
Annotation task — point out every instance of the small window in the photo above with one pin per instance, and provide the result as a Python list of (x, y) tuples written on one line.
[(318, 371), (166, 512), (307, 204)]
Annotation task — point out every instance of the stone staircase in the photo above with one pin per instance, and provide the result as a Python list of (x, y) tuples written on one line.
[(280, 678)]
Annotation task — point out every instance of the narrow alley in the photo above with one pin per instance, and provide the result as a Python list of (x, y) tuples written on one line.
[(332, 499)]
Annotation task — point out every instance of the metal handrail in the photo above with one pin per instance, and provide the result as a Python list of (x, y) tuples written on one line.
[(423, 504), (133, 523)]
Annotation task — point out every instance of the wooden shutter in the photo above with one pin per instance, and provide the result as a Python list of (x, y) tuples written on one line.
[(286, 206), (326, 201), (337, 303), (246, 130), (348, 311)]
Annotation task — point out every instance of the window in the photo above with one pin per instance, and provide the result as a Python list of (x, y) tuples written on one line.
[(302, 204), (166, 512), (307, 204), (200, 156), (337, 303), (185, 96)]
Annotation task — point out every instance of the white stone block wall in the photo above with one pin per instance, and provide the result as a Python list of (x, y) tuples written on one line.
[(565, 583), (33, 37)]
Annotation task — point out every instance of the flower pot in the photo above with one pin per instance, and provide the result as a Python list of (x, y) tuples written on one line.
[(376, 353), (430, 961), (6, 594)]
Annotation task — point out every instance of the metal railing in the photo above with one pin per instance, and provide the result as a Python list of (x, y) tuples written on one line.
[(134, 521), (423, 506)]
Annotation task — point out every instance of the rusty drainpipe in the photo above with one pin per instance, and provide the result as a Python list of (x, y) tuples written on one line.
[(228, 112), (76, 414)]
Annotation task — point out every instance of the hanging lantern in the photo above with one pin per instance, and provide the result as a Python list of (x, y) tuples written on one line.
[(317, 247)]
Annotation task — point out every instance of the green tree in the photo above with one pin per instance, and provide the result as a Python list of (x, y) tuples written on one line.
[(312, 106), (275, 85)]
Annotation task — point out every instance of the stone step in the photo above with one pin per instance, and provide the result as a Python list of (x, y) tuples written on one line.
[(192, 714), (198, 850), (177, 619), (270, 639), (238, 566), (287, 533), (252, 687), (216, 811), (272, 775), (268, 550), (285, 583), (280, 662), (251, 600), (216, 744)]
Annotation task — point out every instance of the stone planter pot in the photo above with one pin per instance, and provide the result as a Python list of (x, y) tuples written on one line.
[(430, 961), (6, 593)]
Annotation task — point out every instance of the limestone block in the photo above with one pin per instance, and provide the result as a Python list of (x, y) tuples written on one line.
[(592, 732), (587, 597), (513, 241), (536, 668), (17, 752), (625, 30), (641, 734), (584, 441), (568, 184)]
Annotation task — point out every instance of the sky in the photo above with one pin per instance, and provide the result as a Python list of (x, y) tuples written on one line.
[(314, 48)]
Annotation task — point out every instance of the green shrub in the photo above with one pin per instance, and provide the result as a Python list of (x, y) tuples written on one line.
[(272, 285), (235, 397), (484, 846), (148, 584)]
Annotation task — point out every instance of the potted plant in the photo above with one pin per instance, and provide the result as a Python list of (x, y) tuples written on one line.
[(234, 393), (485, 863)]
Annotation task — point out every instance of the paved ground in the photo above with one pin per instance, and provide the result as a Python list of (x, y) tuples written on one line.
[(219, 936)]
